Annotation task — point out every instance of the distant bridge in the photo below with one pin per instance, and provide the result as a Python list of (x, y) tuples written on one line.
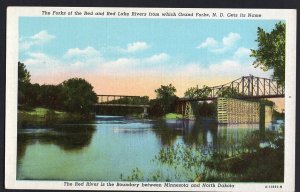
[(123, 101)]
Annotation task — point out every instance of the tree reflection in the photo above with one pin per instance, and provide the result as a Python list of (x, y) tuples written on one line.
[(166, 132), (194, 132), (205, 134), (67, 137), (202, 133)]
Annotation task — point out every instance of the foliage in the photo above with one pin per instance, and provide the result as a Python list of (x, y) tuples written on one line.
[(251, 166), (247, 163), (165, 101), (74, 95), (278, 115), (136, 100), (228, 92), (78, 95), (266, 102), (51, 96), (35, 116), (270, 53), (156, 108), (195, 92), (23, 74), (23, 83), (165, 91), (136, 175), (207, 109)]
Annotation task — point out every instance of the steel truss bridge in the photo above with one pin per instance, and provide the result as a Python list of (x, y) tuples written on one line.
[(236, 107), (246, 87)]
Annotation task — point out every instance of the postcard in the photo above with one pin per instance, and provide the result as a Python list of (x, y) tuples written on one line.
[(160, 99)]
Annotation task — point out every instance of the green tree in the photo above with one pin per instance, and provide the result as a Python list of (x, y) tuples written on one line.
[(51, 96), (208, 109), (79, 96), (191, 92), (195, 92), (166, 97), (228, 92), (270, 53), (23, 74), (165, 91), (23, 84)]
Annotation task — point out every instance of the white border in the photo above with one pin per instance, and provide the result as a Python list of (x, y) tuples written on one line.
[(13, 13)]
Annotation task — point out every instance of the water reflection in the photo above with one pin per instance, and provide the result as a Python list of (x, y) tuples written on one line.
[(210, 137), (207, 133), (67, 137), (101, 151), (165, 133)]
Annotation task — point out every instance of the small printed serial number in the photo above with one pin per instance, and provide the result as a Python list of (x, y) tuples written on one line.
[(273, 186)]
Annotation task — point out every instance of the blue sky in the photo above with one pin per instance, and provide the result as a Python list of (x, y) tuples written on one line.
[(135, 56)]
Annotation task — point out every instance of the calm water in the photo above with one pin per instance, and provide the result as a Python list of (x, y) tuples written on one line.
[(112, 146)]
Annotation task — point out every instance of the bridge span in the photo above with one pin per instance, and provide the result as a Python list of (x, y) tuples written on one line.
[(245, 87), (126, 101), (237, 101)]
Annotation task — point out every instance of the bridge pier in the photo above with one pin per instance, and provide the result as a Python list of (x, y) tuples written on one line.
[(145, 114), (241, 111), (187, 109)]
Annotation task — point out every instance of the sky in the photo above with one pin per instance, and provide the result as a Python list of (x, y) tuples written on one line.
[(135, 56)]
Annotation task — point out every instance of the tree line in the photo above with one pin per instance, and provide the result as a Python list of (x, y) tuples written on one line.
[(74, 95), (166, 101)]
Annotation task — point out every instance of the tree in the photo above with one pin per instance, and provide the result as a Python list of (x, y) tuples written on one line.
[(195, 92), (228, 92), (166, 97), (191, 92), (79, 96), (165, 91), (23, 74), (270, 53), (51, 96), (23, 83)]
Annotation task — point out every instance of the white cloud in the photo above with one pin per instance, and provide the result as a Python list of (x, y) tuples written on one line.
[(135, 47), (87, 52), (242, 52), (132, 65), (208, 43), (230, 39), (220, 47), (120, 63), (40, 59), (40, 38), (158, 58), (223, 69)]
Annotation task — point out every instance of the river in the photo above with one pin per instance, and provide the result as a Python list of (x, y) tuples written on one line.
[(112, 146)]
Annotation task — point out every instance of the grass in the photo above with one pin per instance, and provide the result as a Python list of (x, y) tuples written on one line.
[(41, 112), (173, 116), (44, 116)]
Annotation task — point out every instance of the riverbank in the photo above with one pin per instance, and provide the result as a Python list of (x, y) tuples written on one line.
[(173, 116), (45, 116)]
